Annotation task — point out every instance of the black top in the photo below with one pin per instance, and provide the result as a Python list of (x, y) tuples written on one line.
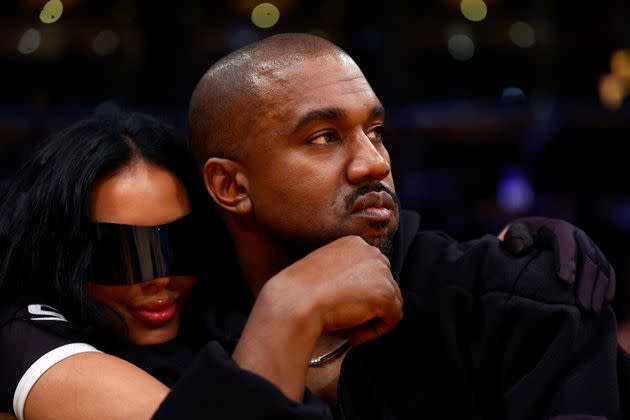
[(205, 382), (484, 335), (33, 337)]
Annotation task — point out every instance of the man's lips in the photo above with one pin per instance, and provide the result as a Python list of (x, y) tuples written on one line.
[(156, 311), (374, 205)]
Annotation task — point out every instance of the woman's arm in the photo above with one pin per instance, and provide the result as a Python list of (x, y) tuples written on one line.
[(96, 386), (346, 285)]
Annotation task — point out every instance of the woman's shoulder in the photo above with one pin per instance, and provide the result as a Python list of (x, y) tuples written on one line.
[(23, 316), (33, 337)]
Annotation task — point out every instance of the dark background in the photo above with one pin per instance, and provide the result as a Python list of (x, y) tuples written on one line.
[(476, 140)]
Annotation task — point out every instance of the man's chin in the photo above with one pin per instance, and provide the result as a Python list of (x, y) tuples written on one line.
[(384, 243)]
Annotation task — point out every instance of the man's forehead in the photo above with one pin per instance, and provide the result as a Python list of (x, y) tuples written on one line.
[(284, 75), (320, 82)]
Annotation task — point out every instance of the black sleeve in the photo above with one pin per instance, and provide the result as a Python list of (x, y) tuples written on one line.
[(528, 349), (33, 337), (485, 335), (215, 387)]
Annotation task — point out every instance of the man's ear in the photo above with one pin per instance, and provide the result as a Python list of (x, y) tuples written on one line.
[(227, 185)]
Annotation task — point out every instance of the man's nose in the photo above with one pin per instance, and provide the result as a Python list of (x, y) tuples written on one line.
[(368, 163)]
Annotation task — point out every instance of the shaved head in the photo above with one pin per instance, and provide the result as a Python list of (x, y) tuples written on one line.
[(229, 97)]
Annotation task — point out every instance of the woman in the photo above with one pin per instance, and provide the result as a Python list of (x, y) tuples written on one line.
[(99, 252)]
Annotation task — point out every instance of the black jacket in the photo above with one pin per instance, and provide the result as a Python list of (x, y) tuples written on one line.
[(485, 335)]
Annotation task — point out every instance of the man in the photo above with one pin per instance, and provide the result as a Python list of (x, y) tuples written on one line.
[(290, 137)]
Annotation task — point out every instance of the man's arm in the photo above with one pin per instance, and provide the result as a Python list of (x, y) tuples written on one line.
[(534, 350), (485, 334)]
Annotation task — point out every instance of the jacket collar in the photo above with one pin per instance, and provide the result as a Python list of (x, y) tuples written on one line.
[(404, 237)]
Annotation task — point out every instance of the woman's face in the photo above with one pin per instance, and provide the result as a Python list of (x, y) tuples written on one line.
[(143, 194)]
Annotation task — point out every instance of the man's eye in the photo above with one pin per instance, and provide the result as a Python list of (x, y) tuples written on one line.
[(376, 134), (324, 138)]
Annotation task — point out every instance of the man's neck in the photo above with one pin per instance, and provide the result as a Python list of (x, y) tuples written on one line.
[(258, 258)]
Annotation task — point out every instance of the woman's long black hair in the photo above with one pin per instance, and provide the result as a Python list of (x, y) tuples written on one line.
[(45, 247)]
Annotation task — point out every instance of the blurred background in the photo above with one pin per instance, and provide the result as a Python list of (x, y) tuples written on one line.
[(496, 109)]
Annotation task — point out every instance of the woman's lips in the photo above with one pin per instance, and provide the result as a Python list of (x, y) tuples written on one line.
[(156, 312)]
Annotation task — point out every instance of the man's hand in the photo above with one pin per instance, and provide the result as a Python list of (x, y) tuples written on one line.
[(344, 285), (577, 259)]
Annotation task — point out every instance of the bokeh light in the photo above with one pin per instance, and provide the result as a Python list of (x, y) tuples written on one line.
[(611, 92), (105, 43), (245, 7), (620, 63), (51, 12), (522, 34), (515, 193), (265, 15), (474, 10), (461, 47), (29, 41), (513, 94)]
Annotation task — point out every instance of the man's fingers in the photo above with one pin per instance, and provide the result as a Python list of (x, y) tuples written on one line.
[(363, 334), (390, 316), (369, 331)]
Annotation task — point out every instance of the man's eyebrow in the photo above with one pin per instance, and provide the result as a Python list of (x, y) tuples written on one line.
[(377, 112), (334, 113), (323, 114)]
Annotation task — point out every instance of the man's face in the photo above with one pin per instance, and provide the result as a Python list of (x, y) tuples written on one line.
[(315, 159)]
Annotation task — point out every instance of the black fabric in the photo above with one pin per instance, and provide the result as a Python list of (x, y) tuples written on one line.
[(215, 387), (27, 332), (485, 336), (165, 361)]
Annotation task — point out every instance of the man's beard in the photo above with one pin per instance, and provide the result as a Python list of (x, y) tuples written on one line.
[(385, 244), (297, 246)]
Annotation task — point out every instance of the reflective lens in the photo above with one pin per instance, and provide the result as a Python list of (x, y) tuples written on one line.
[(126, 254)]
